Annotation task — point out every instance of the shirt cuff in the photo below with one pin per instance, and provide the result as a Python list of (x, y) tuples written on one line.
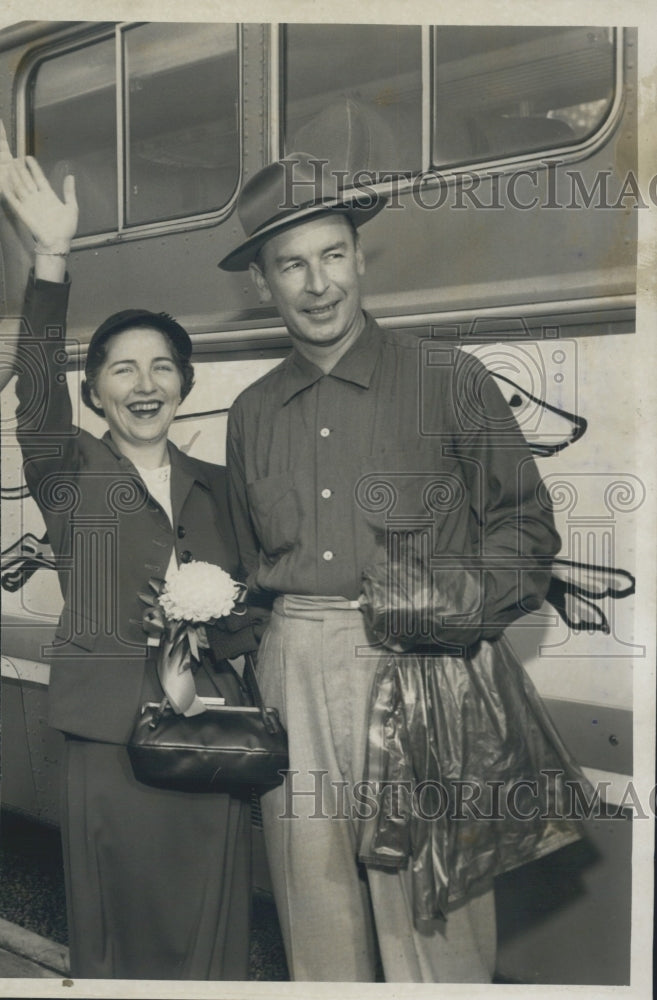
[(41, 284)]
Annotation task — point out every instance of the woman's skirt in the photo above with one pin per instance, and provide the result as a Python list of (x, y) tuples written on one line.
[(157, 881)]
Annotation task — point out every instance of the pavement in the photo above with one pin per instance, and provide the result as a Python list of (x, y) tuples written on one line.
[(26, 955), (33, 933)]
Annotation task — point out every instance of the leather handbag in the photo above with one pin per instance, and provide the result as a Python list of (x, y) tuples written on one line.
[(226, 748)]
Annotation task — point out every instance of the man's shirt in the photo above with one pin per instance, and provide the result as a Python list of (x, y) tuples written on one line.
[(402, 435)]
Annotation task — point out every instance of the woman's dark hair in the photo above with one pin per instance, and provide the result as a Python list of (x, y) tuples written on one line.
[(98, 352)]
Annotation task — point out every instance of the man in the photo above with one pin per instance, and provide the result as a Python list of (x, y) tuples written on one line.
[(348, 436)]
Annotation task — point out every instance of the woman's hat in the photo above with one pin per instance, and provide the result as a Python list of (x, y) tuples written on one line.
[(129, 318), (290, 191)]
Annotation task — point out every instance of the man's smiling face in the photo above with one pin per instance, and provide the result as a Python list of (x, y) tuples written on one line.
[(312, 273)]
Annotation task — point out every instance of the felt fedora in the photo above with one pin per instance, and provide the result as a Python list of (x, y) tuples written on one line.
[(288, 192)]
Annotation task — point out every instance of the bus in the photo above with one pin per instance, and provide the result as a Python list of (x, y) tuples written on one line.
[(508, 155)]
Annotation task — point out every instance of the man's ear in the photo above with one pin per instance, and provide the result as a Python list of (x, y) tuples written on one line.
[(360, 256), (259, 280)]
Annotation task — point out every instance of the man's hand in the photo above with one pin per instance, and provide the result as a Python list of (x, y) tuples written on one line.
[(26, 189)]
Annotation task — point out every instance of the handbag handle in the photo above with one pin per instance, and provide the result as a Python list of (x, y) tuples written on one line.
[(269, 717), (248, 683)]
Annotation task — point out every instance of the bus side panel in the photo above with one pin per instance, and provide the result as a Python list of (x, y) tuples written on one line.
[(439, 247)]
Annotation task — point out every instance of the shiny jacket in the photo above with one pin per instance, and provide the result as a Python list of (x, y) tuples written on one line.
[(482, 781)]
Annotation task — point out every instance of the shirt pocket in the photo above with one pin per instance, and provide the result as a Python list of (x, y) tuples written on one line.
[(410, 489), (276, 512)]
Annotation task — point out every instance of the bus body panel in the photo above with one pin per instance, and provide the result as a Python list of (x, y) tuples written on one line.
[(544, 294)]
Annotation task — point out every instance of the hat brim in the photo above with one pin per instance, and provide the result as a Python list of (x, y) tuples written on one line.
[(358, 211)]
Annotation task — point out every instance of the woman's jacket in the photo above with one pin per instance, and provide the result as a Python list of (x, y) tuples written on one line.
[(108, 535)]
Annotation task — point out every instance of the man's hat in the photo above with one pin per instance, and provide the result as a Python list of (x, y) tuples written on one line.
[(287, 192), (129, 318)]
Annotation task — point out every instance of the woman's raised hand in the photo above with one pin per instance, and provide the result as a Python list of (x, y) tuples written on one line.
[(26, 189)]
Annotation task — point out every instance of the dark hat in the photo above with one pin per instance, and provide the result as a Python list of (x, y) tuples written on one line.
[(290, 191), (129, 318)]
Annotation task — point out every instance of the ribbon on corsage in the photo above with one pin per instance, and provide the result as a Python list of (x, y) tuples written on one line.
[(177, 611)]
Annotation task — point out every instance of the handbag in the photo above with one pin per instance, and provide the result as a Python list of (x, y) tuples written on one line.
[(223, 749)]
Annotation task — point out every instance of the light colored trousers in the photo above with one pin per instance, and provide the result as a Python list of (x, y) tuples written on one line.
[(316, 666)]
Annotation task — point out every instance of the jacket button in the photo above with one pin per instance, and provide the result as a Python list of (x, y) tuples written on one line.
[(186, 556), (181, 531)]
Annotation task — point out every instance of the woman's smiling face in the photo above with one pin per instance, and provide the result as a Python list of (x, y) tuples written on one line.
[(138, 387)]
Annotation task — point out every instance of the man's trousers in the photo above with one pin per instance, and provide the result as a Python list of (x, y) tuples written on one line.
[(316, 666)]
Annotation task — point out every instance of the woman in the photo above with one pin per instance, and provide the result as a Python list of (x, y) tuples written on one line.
[(157, 881)]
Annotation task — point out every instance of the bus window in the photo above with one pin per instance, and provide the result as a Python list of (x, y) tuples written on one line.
[(504, 91), (181, 91), (352, 94), (176, 139), (73, 109)]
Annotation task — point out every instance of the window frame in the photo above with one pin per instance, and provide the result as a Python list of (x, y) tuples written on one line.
[(78, 39), (432, 176)]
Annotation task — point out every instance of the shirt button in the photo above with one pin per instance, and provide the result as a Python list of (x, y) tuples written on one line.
[(325, 432), (186, 556), (326, 494), (327, 556)]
